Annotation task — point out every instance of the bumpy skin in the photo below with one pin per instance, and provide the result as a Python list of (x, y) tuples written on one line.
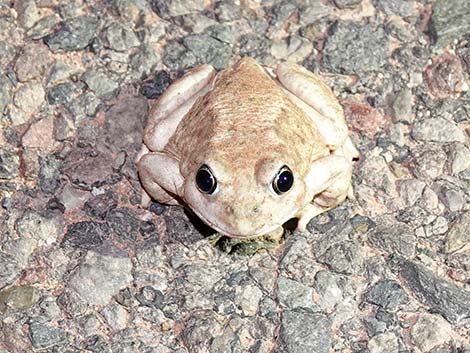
[(245, 123)]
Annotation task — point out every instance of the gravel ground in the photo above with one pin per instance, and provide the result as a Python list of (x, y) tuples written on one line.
[(83, 268)]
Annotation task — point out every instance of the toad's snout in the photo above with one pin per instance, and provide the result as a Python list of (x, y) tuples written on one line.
[(242, 212), (244, 221)]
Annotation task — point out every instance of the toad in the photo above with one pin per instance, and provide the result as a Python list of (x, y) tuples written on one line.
[(248, 148)]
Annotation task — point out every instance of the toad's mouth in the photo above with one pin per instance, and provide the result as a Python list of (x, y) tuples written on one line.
[(264, 229)]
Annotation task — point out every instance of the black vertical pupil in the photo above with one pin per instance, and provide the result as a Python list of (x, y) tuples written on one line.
[(205, 181), (284, 180)]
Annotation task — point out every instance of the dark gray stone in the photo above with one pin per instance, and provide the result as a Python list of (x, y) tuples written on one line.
[(178, 57), (208, 50), (143, 62), (62, 93), (148, 230), (395, 238), (100, 83), (149, 296), (179, 228), (303, 331), (59, 72), (43, 27), (171, 8), (362, 223), (86, 235), (258, 24), (414, 216), (125, 124), (70, 10), (347, 4), (100, 205), (194, 22), (464, 54), (343, 257), (450, 20), (97, 344), (225, 34), (315, 13), (294, 294), (88, 168), (355, 49), (54, 204), (437, 293), (123, 223), (120, 38), (85, 105), (7, 203), (387, 294), (131, 11), (254, 46), (74, 34), (334, 224), (44, 336), (9, 163), (198, 330), (459, 233), (49, 173), (294, 48), (281, 12), (154, 87), (460, 260), (96, 46), (157, 208), (374, 326)]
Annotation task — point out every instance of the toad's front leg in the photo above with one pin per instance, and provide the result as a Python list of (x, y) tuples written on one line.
[(328, 184), (160, 176)]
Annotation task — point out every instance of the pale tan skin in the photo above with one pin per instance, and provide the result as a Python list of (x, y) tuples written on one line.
[(246, 122)]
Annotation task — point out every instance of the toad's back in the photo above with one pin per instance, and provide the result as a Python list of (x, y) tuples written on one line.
[(242, 117)]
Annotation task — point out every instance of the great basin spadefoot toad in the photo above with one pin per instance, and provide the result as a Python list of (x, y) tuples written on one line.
[(248, 148)]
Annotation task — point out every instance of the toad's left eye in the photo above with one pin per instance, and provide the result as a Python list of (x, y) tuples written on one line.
[(283, 180)]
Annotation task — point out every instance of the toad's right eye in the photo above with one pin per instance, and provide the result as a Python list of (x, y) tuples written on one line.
[(205, 180)]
